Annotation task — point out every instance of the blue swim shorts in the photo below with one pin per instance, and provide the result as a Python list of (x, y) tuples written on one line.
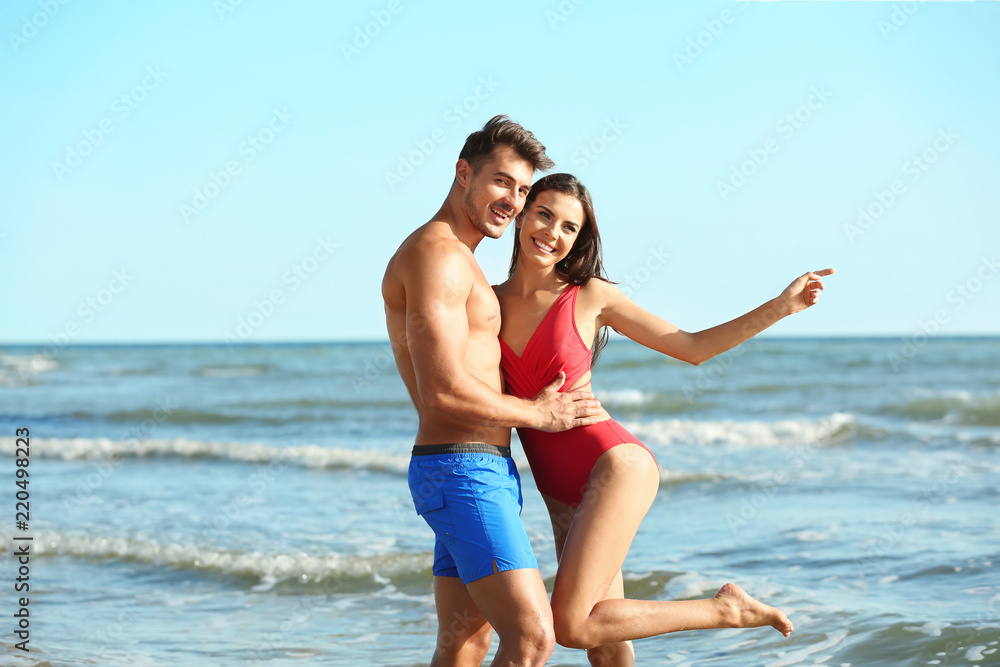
[(470, 496)]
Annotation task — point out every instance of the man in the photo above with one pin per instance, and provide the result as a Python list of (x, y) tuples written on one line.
[(443, 319)]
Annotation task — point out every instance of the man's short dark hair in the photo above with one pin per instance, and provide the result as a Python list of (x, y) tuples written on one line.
[(501, 130)]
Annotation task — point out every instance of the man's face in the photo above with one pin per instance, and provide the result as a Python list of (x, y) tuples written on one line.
[(495, 193)]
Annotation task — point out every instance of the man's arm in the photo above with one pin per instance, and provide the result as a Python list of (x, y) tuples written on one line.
[(437, 335), (696, 348)]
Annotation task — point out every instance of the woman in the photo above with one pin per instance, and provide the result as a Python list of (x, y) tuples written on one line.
[(599, 481)]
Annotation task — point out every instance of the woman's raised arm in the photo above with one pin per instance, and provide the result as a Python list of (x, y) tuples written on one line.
[(625, 317)]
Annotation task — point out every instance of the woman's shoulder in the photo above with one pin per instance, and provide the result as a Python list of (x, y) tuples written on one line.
[(596, 298), (598, 289)]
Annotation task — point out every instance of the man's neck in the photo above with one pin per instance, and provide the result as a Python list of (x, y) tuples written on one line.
[(452, 212)]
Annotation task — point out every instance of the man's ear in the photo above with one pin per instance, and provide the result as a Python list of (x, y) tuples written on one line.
[(463, 172)]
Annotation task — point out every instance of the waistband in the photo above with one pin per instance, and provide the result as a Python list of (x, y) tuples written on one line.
[(461, 448)]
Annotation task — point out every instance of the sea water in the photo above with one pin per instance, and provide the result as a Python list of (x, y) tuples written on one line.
[(208, 505)]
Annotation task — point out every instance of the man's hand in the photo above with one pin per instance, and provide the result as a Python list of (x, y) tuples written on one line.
[(562, 411), (804, 291)]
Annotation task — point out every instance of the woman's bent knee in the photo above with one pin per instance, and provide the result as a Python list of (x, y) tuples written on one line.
[(572, 631)]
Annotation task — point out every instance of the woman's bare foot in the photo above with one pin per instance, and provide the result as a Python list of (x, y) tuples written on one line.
[(742, 611)]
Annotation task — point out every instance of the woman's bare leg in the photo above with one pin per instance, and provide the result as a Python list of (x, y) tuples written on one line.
[(619, 493), (618, 654)]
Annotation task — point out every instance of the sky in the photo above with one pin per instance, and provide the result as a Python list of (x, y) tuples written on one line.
[(241, 171)]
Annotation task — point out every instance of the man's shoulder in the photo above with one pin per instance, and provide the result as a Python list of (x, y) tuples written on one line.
[(431, 251), (433, 243)]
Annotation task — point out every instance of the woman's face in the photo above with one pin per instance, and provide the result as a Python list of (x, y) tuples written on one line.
[(550, 227)]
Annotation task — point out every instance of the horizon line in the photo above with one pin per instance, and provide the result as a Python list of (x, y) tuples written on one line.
[(385, 341)]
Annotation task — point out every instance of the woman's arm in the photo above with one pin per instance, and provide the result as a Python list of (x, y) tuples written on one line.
[(621, 314)]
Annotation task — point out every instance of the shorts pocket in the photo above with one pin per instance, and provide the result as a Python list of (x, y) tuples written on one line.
[(428, 503), (432, 509)]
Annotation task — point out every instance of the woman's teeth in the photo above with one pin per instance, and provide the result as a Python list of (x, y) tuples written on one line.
[(544, 246)]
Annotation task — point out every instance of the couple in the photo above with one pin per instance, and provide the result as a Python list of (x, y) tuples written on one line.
[(450, 343)]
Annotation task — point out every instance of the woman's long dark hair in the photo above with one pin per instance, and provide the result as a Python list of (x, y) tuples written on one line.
[(584, 261)]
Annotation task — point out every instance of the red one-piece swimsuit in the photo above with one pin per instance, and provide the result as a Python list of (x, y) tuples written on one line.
[(560, 462)]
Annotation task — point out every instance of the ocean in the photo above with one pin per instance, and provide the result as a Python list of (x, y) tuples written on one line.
[(208, 505)]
